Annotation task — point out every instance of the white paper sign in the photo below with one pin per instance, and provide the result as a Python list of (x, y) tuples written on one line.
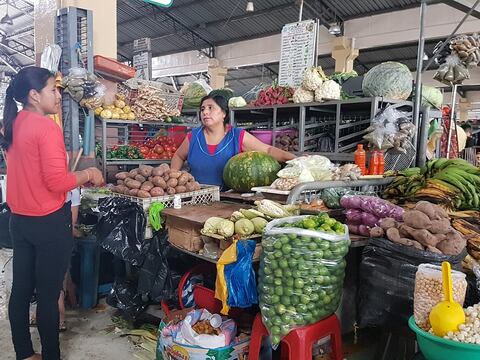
[(298, 51)]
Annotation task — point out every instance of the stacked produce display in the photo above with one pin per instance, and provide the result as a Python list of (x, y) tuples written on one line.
[(301, 272), (147, 181)]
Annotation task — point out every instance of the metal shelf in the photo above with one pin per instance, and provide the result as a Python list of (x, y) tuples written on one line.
[(152, 123), (137, 161)]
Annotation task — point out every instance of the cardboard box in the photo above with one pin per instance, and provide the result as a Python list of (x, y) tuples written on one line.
[(184, 234)]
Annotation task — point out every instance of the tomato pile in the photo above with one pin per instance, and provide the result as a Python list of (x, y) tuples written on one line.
[(161, 147)]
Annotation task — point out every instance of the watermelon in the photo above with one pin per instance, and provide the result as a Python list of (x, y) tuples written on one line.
[(250, 169), (225, 92), (390, 79)]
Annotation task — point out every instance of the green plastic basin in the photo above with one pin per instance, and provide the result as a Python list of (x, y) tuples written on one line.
[(437, 348)]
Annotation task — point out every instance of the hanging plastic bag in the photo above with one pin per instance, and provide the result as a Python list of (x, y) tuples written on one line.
[(155, 215), (194, 92), (121, 228), (241, 282), (124, 297), (221, 288), (5, 239), (156, 279)]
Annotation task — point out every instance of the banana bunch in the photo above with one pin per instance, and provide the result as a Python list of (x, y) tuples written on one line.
[(459, 177), (472, 233), (454, 183)]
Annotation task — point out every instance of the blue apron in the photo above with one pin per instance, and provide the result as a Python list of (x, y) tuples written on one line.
[(208, 168)]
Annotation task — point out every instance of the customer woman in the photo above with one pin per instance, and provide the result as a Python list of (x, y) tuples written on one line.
[(208, 148), (41, 222)]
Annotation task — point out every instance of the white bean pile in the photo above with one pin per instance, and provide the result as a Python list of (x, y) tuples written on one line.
[(470, 331)]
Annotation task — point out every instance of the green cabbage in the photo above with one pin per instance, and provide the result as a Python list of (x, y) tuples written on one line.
[(431, 96)]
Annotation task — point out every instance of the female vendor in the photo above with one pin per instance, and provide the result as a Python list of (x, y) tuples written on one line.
[(208, 148)]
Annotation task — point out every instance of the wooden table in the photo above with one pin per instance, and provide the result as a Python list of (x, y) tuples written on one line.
[(196, 215)]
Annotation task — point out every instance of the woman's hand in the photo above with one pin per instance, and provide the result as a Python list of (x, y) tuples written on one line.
[(95, 176)]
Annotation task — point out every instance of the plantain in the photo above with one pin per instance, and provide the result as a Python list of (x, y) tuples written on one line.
[(410, 171)]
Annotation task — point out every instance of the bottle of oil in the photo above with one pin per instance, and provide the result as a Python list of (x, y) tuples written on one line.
[(361, 159)]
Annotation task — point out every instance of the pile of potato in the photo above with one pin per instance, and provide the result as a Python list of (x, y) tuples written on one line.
[(426, 227), (148, 181)]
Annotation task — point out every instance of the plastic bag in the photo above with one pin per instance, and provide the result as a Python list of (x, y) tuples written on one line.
[(429, 291), (5, 238), (241, 282), (390, 128), (156, 279), (124, 297), (252, 94), (308, 168), (121, 228), (387, 280), (301, 276)]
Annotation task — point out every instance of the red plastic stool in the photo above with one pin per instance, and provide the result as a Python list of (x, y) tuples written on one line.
[(299, 342), (203, 268)]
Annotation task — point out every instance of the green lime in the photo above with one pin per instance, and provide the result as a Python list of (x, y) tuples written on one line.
[(330, 222), (275, 299), (285, 300), (315, 271), (307, 290), (277, 244), (295, 299), (267, 270), (287, 318), (273, 264), (298, 318), (312, 246), (304, 299), (299, 283), (324, 271), (277, 282), (288, 291), (292, 263), (327, 300), (278, 254), (314, 297), (325, 245), (309, 223), (276, 339), (287, 249), (287, 273), (292, 236), (275, 330), (280, 309), (291, 310), (278, 273), (289, 282), (279, 291), (302, 309), (283, 263), (327, 254), (308, 318), (268, 279), (285, 329), (311, 306)]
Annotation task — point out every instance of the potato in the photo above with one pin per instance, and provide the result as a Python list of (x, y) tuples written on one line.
[(172, 183), (158, 171), (134, 184), (183, 179), (388, 223), (376, 232), (191, 178), (120, 182), (145, 170), (166, 177), (165, 167), (150, 178), (157, 191), (175, 174), (170, 191), (453, 245), (140, 178), (133, 173), (440, 226), (147, 186), (121, 175), (433, 249), (133, 192), (190, 186), (160, 182), (416, 219), (197, 186), (425, 237), (180, 189), (393, 234), (143, 194), (122, 189)]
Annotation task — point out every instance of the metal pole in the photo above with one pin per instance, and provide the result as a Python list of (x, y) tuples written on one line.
[(452, 119), (451, 35), (300, 15), (418, 80)]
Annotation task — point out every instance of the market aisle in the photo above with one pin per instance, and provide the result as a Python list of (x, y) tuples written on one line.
[(86, 338)]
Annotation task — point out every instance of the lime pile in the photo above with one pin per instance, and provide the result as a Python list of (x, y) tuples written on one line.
[(301, 272)]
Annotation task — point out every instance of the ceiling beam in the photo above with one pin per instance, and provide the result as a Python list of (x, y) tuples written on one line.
[(216, 23), (30, 59), (463, 5), (26, 10)]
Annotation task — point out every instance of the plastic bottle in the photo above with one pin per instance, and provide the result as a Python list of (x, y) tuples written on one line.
[(177, 202), (361, 158), (381, 162), (373, 164)]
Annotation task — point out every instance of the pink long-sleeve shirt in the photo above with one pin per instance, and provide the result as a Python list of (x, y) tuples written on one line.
[(37, 170)]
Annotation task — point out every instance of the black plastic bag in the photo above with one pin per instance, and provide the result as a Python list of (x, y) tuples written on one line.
[(121, 228), (387, 280), (124, 297), (154, 276), (5, 238)]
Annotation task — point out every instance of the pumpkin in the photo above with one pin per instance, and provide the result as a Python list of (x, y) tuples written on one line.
[(391, 80), (249, 169)]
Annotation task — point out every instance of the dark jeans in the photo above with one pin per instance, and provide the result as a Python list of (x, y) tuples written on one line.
[(41, 252)]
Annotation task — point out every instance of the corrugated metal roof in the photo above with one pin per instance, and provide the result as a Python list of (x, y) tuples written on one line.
[(191, 24)]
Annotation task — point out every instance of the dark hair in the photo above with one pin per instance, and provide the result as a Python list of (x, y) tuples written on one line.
[(221, 102), (467, 127), (28, 78)]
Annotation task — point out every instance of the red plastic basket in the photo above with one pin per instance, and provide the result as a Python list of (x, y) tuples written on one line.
[(113, 67)]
